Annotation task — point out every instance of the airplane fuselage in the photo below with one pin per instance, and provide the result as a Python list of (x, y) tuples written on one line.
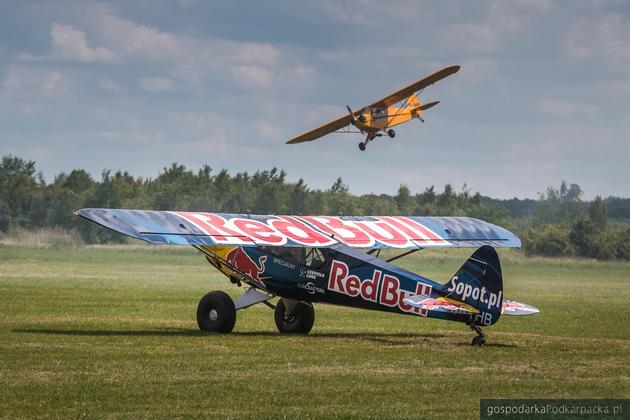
[(350, 278)]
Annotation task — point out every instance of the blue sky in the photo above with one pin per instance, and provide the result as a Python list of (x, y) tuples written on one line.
[(542, 95)]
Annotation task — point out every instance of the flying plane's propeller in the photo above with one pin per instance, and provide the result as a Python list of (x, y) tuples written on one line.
[(353, 120), (351, 114)]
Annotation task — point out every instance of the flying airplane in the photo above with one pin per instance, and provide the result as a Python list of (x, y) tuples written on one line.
[(379, 118), (322, 259)]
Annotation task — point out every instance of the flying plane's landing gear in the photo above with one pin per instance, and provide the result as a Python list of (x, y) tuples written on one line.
[(391, 133), (368, 139), (216, 313), (293, 317), (479, 339)]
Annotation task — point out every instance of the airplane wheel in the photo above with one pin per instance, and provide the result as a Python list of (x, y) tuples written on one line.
[(299, 322), (362, 146), (216, 313), (478, 340), (391, 133)]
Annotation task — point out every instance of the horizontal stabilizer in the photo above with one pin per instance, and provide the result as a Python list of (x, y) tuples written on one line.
[(514, 308), (440, 305), (429, 105), (375, 232)]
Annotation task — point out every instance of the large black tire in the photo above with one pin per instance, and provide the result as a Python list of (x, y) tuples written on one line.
[(299, 322), (216, 313)]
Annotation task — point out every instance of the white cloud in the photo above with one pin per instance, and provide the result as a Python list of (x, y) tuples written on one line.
[(111, 86), (52, 82), (70, 44), (157, 84), (476, 36), (252, 77), (348, 13), (300, 76), (565, 108), (134, 41), (605, 36), (191, 60), (35, 80), (268, 130)]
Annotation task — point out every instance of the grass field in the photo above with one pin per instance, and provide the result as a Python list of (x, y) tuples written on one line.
[(111, 331)]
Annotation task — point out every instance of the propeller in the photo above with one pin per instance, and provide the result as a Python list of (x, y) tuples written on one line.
[(351, 114), (353, 120)]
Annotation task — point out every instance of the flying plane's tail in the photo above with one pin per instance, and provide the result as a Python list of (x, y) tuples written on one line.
[(416, 108), (479, 283)]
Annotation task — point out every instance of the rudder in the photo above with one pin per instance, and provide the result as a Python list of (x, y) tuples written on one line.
[(479, 283)]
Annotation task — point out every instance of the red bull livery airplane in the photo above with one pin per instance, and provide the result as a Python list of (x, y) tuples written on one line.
[(321, 259), (380, 117)]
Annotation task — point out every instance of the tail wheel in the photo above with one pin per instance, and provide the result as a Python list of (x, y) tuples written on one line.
[(300, 320), (391, 133), (479, 340), (216, 313)]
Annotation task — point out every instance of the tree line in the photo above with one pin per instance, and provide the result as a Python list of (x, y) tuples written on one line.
[(558, 223)]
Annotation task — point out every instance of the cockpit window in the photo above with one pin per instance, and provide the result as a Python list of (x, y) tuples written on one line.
[(293, 255), (310, 257)]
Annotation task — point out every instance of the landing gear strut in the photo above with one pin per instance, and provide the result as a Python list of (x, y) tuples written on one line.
[(294, 317), (480, 339), (368, 139)]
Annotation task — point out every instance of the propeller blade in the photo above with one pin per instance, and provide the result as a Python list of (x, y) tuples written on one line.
[(352, 119), (350, 112)]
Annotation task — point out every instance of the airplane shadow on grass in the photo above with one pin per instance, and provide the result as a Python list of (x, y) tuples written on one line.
[(387, 339)]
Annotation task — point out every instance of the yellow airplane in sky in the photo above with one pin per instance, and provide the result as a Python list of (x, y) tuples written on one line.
[(381, 116)]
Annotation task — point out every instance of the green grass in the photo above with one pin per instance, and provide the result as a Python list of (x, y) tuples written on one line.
[(111, 331)]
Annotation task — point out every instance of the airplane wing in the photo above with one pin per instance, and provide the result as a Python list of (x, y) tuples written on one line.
[(318, 132), (218, 229), (414, 87)]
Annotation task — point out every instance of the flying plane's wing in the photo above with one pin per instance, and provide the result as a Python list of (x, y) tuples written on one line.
[(316, 133), (414, 87), (197, 228)]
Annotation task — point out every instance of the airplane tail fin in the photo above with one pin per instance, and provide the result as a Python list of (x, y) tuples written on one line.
[(479, 283), (413, 102)]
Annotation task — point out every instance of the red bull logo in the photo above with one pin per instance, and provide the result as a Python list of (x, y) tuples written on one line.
[(383, 289), (242, 262)]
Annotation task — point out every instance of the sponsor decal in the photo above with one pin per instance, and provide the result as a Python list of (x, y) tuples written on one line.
[(463, 291), (240, 260), (311, 274), (283, 263), (311, 288), (381, 288), (315, 231)]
